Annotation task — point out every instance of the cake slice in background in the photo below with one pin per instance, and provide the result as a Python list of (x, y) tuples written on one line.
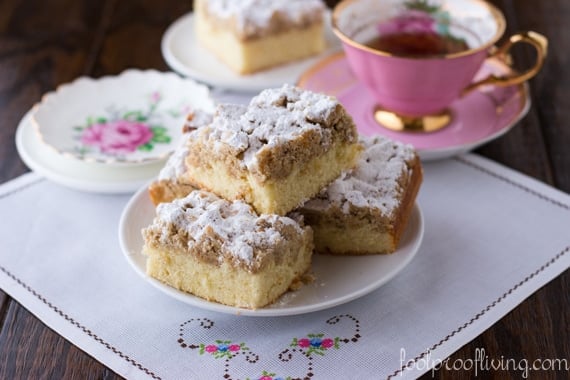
[(252, 35)]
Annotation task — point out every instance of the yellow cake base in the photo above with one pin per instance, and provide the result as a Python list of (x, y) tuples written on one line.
[(362, 240), (225, 283), (281, 195), (246, 57)]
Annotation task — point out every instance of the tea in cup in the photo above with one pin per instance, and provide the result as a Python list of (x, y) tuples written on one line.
[(416, 57)]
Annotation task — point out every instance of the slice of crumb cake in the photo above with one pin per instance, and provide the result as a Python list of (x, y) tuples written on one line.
[(252, 35), (366, 210), (223, 251), (275, 153)]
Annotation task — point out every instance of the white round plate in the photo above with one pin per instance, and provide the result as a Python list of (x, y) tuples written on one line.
[(183, 54), (130, 119), (338, 279), (77, 174)]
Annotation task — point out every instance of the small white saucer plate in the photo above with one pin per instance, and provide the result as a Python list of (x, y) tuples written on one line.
[(133, 118), (338, 279), (184, 55), (77, 174)]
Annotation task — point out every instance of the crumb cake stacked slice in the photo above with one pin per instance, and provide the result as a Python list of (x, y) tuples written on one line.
[(224, 252), (275, 153), (252, 35), (365, 211)]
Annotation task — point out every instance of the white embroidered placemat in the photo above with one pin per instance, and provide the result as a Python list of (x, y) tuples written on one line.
[(492, 238)]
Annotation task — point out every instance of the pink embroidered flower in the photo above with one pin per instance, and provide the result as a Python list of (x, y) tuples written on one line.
[(266, 378), (410, 22), (116, 137), (304, 342), (234, 347), (327, 343), (211, 348)]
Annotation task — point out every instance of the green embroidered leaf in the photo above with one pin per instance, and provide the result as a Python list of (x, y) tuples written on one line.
[(315, 350), (101, 120), (222, 354), (336, 340)]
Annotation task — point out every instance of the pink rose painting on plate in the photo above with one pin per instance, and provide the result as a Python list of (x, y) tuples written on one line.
[(121, 133), (118, 137)]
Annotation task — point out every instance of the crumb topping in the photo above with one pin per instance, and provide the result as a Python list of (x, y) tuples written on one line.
[(196, 119), (375, 183), (271, 129), (175, 166), (234, 227), (257, 17)]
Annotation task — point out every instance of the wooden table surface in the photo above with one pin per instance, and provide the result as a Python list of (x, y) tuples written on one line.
[(44, 43)]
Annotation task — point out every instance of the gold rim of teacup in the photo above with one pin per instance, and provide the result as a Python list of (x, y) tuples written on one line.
[(495, 12)]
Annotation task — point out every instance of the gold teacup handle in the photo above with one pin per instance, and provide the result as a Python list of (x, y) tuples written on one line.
[(537, 40)]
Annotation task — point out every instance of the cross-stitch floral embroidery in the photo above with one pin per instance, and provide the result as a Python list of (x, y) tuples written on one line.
[(302, 351), (222, 349), (270, 376), (316, 344)]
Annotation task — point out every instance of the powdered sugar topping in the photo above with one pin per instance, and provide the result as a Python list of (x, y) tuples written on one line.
[(374, 182), (273, 117), (175, 166), (251, 16), (240, 229)]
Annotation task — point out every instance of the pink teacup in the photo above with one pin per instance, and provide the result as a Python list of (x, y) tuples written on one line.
[(418, 56)]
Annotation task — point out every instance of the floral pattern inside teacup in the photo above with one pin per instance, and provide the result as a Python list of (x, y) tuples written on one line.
[(419, 28)]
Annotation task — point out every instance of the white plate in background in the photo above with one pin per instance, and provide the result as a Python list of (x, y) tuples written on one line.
[(133, 118), (183, 54), (77, 174)]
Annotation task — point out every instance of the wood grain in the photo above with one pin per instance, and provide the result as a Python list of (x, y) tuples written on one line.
[(46, 43)]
